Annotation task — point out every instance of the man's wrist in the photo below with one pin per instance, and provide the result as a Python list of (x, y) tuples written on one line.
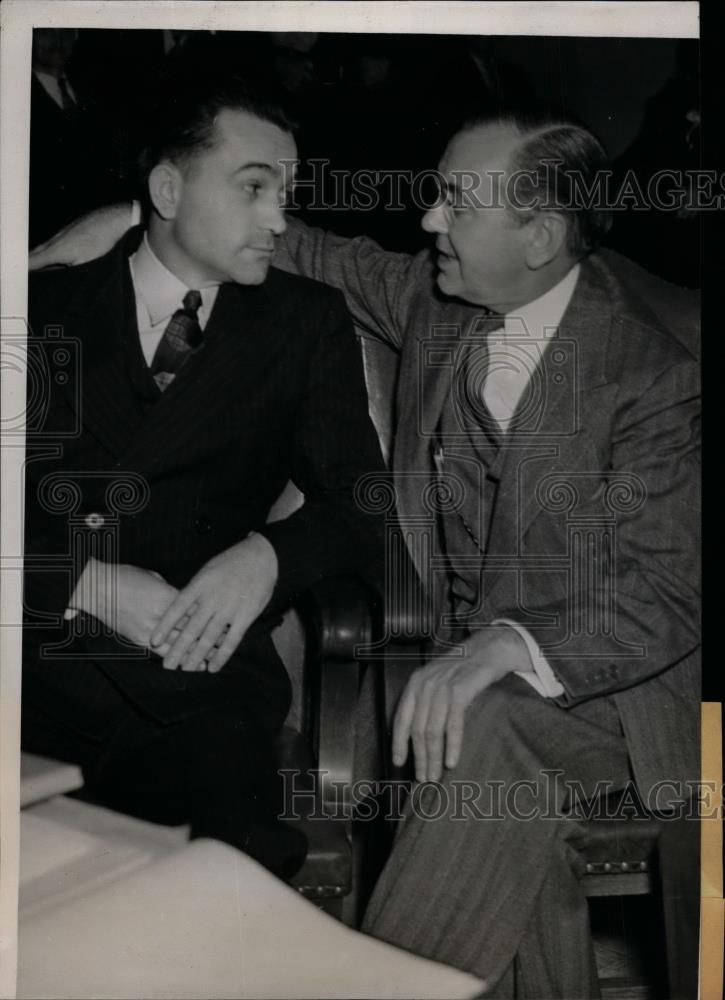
[(519, 650), (268, 554), (91, 591), (505, 651)]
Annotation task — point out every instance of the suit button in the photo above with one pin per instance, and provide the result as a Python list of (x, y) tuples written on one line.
[(94, 520), (202, 525)]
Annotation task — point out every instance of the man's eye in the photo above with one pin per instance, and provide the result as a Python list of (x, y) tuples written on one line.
[(455, 202), (252, 188)]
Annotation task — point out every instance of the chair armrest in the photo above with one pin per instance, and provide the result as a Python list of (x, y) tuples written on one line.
[(339, 614)]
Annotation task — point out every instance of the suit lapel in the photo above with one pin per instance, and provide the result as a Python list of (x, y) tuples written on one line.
[(238, 338), (424, 388), (103, 325), (112, 385), (430, 362), (570, 380)]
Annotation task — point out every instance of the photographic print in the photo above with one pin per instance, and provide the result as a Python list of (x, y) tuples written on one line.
[(351, 491)]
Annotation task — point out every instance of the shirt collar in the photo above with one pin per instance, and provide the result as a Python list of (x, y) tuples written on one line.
[(161, 292), (542, 316)]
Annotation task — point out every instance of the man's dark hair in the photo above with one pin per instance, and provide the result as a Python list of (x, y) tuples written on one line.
[(182, 115), (562, 164)]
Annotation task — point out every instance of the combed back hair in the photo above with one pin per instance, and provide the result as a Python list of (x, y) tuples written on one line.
[(183, 111), (563, 165)]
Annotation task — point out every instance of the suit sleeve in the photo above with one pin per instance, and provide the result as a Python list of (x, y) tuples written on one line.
[(377, 284), (335, 444), (644, 597)]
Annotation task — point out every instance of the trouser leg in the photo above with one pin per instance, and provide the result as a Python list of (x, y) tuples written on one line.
[(215, 769), (555, 956), (465, 887)]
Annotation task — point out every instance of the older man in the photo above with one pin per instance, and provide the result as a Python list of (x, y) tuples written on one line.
[(558, 414)]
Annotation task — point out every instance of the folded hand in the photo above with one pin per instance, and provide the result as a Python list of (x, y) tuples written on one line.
[(221, 602)]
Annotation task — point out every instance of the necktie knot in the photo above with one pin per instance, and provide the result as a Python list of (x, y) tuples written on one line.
[(471, 377), (192, 301), (181, 337)]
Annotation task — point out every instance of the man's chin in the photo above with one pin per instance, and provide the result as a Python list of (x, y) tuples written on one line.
[(252, 275), (447, 284)]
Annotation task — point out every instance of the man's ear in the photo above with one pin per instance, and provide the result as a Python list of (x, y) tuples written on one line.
[(547, 233), (165, 187)]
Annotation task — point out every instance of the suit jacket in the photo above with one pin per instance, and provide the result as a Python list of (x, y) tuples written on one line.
[(166, 481), (590, 535)]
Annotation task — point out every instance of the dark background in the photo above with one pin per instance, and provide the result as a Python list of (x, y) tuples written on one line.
[(386, 102)]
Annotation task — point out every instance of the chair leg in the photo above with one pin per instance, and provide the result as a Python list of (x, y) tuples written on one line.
[(679, 863)]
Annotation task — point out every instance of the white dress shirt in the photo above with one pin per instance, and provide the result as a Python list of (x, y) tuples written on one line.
[(159, 293), (520, 345), (515, 350)]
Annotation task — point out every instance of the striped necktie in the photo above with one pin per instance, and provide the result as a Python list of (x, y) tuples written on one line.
[(181, 338), (473, 372)]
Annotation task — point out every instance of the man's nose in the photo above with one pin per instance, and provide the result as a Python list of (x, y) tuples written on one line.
[(435, 220), (275, 220)]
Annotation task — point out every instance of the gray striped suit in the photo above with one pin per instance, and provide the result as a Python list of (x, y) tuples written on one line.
[(613, 442)]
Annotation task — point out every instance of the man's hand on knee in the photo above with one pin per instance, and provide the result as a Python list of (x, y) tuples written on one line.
[(431, 711)]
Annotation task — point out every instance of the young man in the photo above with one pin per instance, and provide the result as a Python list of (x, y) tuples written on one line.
[(206, 380), (557, 412)]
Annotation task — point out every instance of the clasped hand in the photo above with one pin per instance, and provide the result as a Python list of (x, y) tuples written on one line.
[(128, 599), (431, 711), (211, 615)]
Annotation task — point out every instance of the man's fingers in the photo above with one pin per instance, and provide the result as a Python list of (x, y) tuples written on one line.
[(435, 729), (232, 639), (419, 728), (401, 726), (196, 656), (188, 635), (454, 731), (163, 649), (176, 613)]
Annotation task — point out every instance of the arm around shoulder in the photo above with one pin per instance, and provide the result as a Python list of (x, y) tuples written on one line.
[(86, 238)]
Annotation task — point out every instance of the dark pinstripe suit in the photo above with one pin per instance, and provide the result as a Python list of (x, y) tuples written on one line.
[(276, 393)]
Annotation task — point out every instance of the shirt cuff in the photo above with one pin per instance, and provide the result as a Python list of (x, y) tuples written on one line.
[(543, 678), (135, 213)]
